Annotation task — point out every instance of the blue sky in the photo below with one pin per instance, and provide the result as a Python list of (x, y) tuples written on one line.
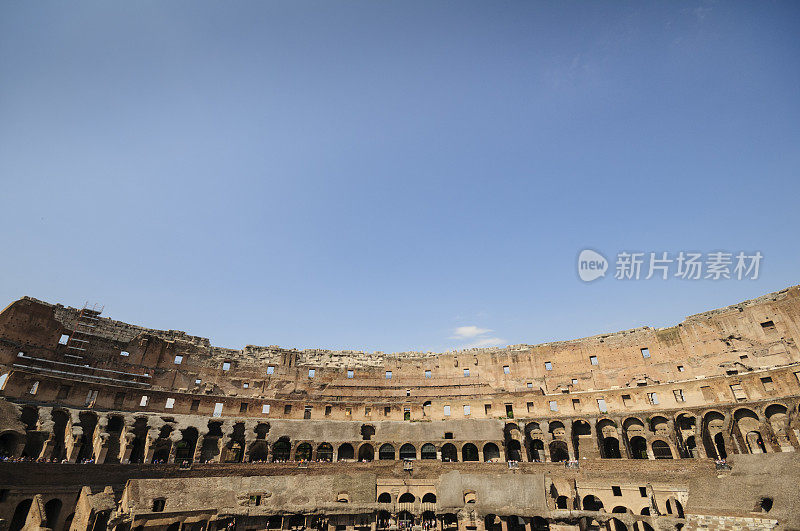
[(393, 175)]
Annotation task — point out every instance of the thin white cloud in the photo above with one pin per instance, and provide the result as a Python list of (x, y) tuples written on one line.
[(487, 342), (468, 332), (476, 337)]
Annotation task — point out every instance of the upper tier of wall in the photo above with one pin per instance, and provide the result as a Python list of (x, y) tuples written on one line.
[(757, 334)]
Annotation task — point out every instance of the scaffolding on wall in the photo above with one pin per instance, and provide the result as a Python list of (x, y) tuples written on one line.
[(84, 329)]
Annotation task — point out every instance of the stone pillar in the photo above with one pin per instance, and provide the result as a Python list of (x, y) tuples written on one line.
[(700, 445), (101, 447), (47, 448), (74, 445), (127, 447), (174, 439), (503, 523), (148, 448)]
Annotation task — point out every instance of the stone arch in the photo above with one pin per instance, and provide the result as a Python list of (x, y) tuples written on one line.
[(490, 452), (777, 418), (659, 425), (638, 447), (449, 452), (137, 444), (386, 452), (9, 441), (325, 452), (261, 430), (685, 429), (581, 436), (20, 515), (748, 430), (185, 448), (559, 451), (674, 507), (713, 425), (408, 451), (384, 497), (429, 497), (469, 452), (537, 450), (235, 446), (303, 452), (366, 452), (87, 420), (259, 451), (281, 449), (52, 510), (661, 449), (345, 451), (406, 497), (428, 451), (591, 503)]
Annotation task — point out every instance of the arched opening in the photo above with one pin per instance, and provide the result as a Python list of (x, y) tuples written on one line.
[(345, 451), (514, 451), (325, 452), (559, 451), (34, 441), (406, 497), (384, 497), (366, 453), (537, 451), (469, 452), (88, 425), (235, 446), (642, 526), (561, 502), (429, 497), (611, 448), (592, 503), (297, 521), (449, 453), (620, 509), (638, 447), (52, 510), (719, 445), (712, 427), (491, 452), (492, 523), (661, 450), (755, 443), (691, 446), (386, 452), (20, 515), (209, 449), (259, 451), (407, 451), (8, 443), (185, 448), (274, 522), (303, 452), (581, 436), (615, 524), (281, 449), (59, 419), (540, 524), (428, 451), (428, 520), (674, 507)]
